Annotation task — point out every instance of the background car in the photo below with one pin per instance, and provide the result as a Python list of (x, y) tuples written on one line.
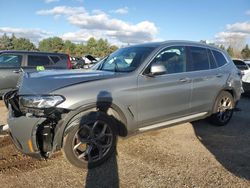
[(247, 61), (244, 67), (83, 62), (12, 63)]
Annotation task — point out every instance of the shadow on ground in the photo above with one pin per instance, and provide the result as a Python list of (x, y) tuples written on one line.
[(105, 175), (229, 144)]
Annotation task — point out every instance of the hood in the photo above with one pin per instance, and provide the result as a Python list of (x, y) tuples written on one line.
[(44, 82)]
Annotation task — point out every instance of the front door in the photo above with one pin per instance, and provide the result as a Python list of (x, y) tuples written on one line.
[(10, 65), (167, 96)]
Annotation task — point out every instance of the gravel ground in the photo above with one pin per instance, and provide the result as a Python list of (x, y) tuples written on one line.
[(187, 155)]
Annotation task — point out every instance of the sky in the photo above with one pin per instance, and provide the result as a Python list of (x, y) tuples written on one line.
[(127, 21)]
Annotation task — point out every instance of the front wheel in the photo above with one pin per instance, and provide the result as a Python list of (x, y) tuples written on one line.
[(91, 142), (223, 109)]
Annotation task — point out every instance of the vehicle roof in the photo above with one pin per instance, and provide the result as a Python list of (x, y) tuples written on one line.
[(30, 52), (174, 42)]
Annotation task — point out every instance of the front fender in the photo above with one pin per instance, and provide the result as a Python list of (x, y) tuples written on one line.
[(63, 127)]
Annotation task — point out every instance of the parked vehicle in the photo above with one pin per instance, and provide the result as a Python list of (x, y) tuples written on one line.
[(243, 66), (77, 62), (13, 62), (135, 89), (83, 62), (247, 61)]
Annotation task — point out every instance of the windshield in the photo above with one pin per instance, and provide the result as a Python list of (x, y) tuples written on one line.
[(125, 59)]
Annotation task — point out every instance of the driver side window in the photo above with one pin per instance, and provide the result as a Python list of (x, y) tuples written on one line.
[(173, 58), (10, 60)]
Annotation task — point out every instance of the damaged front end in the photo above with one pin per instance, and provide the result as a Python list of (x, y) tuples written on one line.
[(33, 122)]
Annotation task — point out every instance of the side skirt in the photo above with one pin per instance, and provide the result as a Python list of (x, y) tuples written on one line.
[(174, 121)]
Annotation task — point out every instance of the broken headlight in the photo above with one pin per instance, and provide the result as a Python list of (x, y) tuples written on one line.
[(41, 102)]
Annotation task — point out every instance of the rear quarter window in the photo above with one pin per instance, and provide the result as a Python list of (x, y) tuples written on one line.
[(220, 58), (55, 59)]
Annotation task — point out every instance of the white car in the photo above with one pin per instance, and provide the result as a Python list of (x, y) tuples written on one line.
[(244, 67)]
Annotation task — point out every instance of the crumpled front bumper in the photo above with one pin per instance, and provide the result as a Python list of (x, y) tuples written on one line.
[(23, 133)]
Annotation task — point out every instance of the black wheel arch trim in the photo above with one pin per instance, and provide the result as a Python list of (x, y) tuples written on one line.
[(228, 89), (63, 128)]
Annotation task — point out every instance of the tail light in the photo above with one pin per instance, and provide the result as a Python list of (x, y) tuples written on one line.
[(69, 65)]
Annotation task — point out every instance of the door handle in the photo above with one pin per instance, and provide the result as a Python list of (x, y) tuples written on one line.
[(16, 71), (185, 79)]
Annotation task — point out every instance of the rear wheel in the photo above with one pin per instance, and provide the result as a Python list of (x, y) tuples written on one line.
[(223, 109), (91, 142)]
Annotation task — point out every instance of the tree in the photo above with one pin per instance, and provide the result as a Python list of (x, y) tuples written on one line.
[(230, 51), (102, 48), (98, 48), (54, 44), (245, 52), (80, 50), (69, 47), (222, 47), (22, 44), (91, 46), (5, 43), (112, 49)]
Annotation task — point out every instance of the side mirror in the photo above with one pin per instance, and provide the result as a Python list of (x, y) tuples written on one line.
[(157, 69)]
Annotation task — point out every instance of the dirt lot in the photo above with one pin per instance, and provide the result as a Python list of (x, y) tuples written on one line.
[(188, 155)]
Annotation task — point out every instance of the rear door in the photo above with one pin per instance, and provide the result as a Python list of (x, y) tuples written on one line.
[(206, 78), (166, 96), (10, 65)]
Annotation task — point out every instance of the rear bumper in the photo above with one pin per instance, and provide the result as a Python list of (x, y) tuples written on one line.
[(23, 133)]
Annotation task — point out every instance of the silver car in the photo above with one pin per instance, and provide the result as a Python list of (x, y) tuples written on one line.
[(135, 89), (12, 62)]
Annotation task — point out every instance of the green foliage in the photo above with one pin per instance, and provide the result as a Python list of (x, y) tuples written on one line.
[(245, 52), (13, 43), (5, 43), (53, 44), (230, 51), (69, 47), (222, 47), (97, 48), (23, 44)]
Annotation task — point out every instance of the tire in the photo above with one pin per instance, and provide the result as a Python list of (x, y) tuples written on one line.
[(223, 109), (92, 140)]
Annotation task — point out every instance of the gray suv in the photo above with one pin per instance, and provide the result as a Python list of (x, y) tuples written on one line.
[(12, 63), (135, 89)]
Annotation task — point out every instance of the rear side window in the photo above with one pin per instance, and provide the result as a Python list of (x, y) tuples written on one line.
[(55, 59), (220, 59), (199, 58), (10, 60), (212, 61), (37, 60)]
